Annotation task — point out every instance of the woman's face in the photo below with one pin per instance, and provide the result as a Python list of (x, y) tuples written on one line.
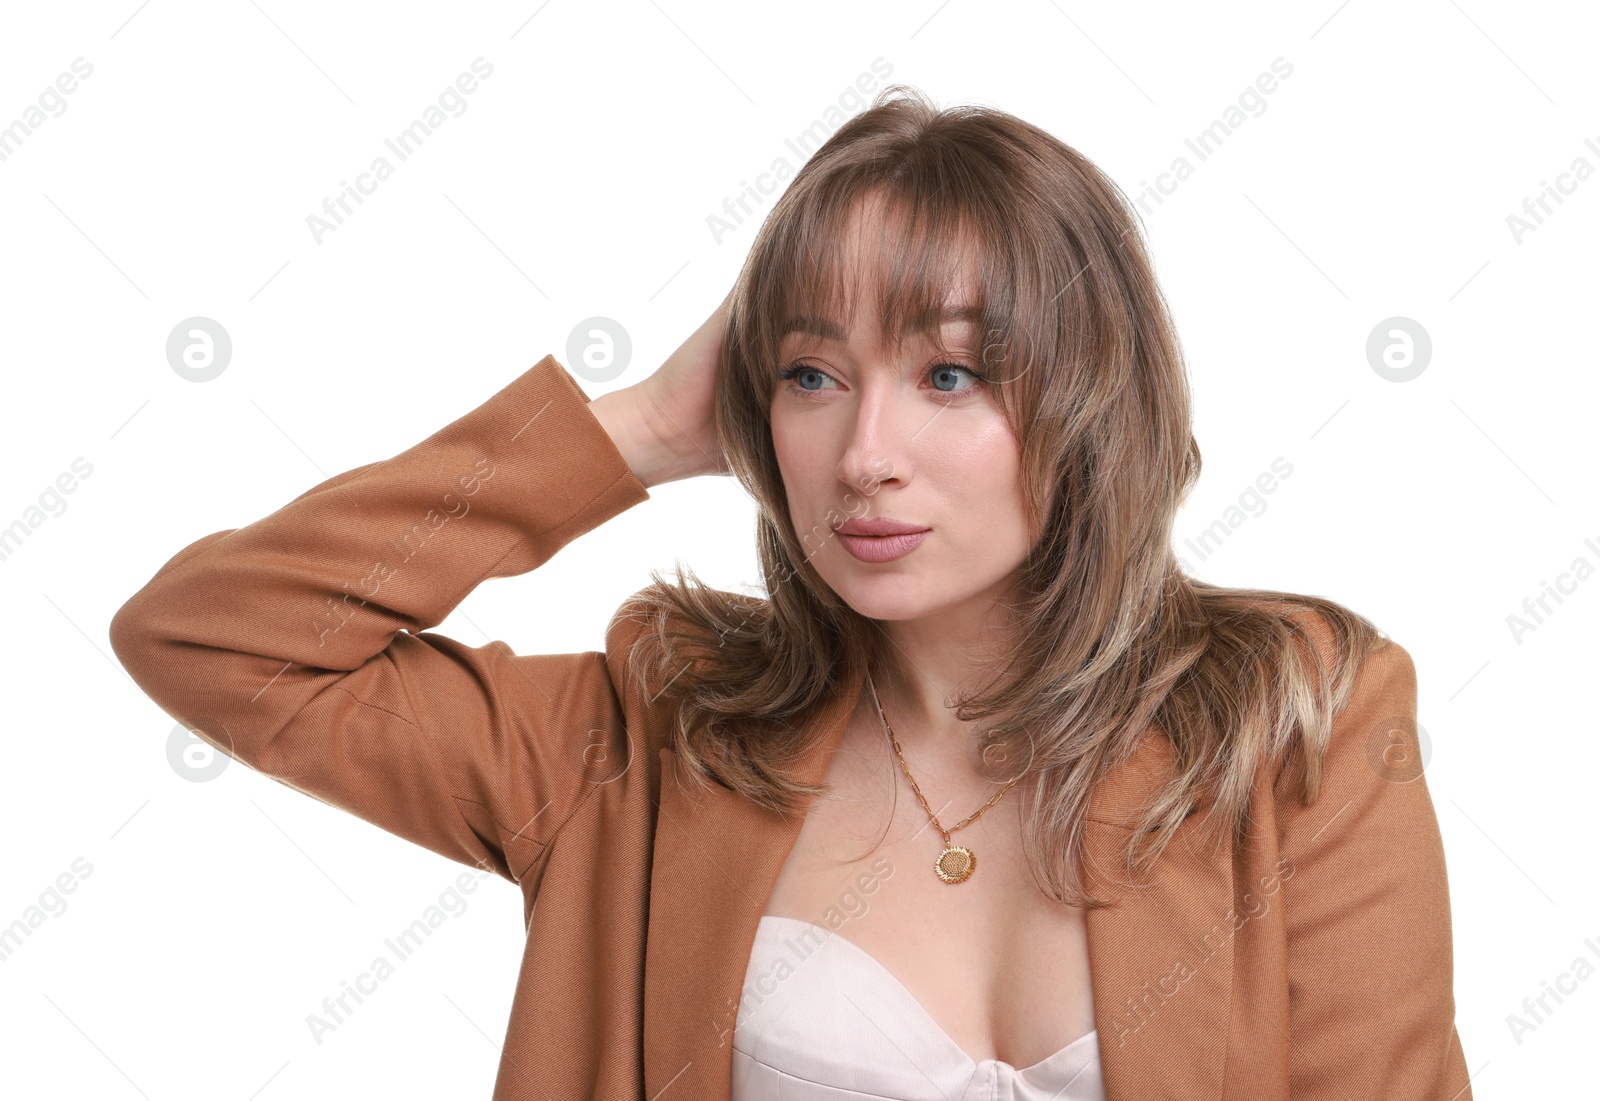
[(867, 431)]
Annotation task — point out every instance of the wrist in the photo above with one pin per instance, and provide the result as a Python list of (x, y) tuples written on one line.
[(626, 418)]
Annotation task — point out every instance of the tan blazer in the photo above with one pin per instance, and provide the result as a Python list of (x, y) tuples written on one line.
[(1313, 964)]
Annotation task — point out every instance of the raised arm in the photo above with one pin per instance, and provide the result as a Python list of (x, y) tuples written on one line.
[(296, 644)]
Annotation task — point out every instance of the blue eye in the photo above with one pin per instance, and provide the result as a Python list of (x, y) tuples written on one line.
[(795, 369), (945, 367), (936, 370)]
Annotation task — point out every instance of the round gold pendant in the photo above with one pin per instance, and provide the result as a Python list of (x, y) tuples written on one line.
[(955, 863)]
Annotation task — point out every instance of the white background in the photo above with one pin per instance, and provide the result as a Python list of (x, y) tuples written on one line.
[(1377, 183)]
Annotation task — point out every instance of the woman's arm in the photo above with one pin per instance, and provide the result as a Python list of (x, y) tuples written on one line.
[(296, 643), (1367, 906)]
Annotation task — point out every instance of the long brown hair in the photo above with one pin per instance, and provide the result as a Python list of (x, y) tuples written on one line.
[(1082, 355)]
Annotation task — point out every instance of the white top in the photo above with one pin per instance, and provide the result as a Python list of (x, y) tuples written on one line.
[(821, 1020)]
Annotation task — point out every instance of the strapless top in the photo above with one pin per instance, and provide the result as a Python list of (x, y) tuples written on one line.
[(821, 1020)]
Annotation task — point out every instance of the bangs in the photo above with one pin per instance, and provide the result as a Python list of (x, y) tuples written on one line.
[(914, 261)]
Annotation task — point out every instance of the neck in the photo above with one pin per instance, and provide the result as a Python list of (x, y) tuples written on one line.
[(926, 664)]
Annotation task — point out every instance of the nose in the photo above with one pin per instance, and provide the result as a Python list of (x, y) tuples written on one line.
[(878, 447)]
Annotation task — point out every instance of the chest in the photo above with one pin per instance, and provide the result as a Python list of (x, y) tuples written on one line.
[(1002, 968)]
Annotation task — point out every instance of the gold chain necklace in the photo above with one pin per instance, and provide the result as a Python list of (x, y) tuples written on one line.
[(957, 862)]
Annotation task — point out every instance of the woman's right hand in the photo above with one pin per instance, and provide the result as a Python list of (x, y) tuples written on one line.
[(664, 425)]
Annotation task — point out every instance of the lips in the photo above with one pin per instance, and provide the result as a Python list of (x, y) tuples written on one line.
[(880, 539), (878, 527)]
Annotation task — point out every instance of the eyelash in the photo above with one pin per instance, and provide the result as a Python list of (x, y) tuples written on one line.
[(794, 369)]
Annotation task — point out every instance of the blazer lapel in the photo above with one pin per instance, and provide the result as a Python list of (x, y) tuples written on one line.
[(716, 859), (1161, 958)]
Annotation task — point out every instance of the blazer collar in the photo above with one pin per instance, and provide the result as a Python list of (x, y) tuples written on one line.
[(1161, 959)]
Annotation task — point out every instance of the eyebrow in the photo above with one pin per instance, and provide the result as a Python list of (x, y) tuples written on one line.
[(828, 330)]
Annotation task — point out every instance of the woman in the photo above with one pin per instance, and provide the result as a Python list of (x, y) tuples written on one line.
[(1164, 839)]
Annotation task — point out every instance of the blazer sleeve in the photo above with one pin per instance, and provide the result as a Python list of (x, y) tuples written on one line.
[(299, 646), (1367, 906)]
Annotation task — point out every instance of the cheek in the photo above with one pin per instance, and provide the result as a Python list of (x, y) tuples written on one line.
[(796, 469), (802, 463), (784, 446), (981, 479), (983, 467)]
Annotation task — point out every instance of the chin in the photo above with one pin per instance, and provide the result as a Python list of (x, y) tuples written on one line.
[(889, 598)]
